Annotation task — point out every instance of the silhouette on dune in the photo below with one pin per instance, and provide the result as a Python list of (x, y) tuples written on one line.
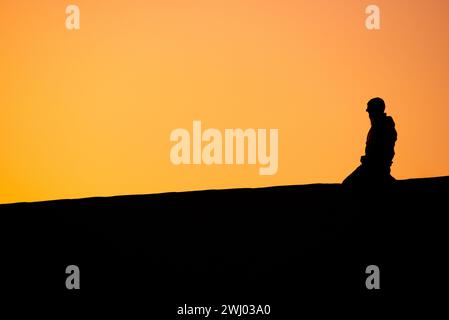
[(374, 170)]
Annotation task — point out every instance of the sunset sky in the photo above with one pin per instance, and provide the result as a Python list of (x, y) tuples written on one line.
[(89, 112)]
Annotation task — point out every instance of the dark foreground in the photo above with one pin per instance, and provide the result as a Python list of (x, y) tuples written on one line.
[(296, 248)]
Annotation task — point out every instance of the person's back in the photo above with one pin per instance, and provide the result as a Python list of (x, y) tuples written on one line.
[(379, 151)]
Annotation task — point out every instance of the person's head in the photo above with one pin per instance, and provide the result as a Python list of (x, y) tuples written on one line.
[(375, 109)]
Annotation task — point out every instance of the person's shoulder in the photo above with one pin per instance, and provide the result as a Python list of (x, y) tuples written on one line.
[(389, 121)]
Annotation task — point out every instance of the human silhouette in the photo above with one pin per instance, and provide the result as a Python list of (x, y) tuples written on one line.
[(374, 170)]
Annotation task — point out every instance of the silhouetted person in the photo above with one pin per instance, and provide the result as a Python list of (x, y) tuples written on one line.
[(374, 170)]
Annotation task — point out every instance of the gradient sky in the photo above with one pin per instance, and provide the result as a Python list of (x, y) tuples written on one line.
[(89, 112)]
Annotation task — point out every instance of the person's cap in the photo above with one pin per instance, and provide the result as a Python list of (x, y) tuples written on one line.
[(376, 105)]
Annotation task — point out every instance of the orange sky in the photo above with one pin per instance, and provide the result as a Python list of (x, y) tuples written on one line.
[(89, 112)]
